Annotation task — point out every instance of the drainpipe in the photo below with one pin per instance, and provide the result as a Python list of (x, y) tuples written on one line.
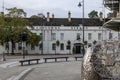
[(119, 8)]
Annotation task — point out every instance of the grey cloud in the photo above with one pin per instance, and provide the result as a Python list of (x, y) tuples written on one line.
[(58, 7)]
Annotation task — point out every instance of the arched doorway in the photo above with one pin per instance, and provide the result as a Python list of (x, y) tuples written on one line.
[(78, 48)]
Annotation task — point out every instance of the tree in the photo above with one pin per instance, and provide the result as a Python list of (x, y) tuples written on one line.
[(94, 42), (12, 25), (93, 14), (34, 16), (57, 44), (33, 39), (40, 15), (69, 45), (85, 42)]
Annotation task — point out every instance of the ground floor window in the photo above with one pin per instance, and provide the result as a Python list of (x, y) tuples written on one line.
[(53, 46), (61, 46), (68, 47), (32, 47), (7, 46), (40, 46), (19, 46), (14, 46)]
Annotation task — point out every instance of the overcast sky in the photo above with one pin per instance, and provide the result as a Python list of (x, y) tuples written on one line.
[(60, 8)]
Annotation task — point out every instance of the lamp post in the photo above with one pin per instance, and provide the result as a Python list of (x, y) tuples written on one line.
[(24, 38), (83, 12), (79, 5), (43, 18)]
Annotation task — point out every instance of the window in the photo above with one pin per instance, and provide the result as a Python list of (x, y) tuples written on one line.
[(40, 46), (89, 36), (99, 36), (32, 47), (62, 36), (110, 35), (78, 36), (14, 46), (40, 34), (19, 46), (68, 47), (7, 46), (61, 46), (118, 36), (53, 46), (53, 36)]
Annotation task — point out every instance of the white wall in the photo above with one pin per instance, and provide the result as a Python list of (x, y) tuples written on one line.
[(70, 33)]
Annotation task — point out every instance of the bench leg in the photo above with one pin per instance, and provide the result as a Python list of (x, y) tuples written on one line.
[(76, 59), (66, 59), (28, 62), (45, 60), (21, 63), (55, 59), (37, 61)]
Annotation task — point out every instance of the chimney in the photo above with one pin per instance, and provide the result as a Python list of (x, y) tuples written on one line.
[(69, 16), (48, 16), (101, 16), (53, 16)]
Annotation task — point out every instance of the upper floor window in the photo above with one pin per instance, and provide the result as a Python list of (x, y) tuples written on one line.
[(62, 36), (53, 36), (89, 36), (78, 36)]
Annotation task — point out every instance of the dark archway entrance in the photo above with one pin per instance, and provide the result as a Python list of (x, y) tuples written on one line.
[(78, 48)]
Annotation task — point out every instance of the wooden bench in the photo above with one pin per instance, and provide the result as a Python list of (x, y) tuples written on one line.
[(55, 58), (76, 57), (29, 60)]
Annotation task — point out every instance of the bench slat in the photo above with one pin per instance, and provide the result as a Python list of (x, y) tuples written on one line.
[(29, 60), (55, 58)]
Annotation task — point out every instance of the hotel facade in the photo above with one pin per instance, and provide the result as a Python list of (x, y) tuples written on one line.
[(63, 30)]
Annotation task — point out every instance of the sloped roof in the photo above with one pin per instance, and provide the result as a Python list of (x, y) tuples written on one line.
[(64, 21), (113, 24)]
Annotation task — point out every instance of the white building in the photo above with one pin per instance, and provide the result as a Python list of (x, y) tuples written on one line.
[(64, 29)]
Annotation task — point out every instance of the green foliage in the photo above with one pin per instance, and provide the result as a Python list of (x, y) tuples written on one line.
[(34, 16), (69, 42), (69, 45), (15, 12), (33, 39), (93, 14), (13, 24), (94, 42), (85, 42), (40, 15), (57, 43)]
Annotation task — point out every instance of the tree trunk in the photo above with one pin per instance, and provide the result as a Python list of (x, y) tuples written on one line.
[(55, 50), (69, 51), (12, 46)]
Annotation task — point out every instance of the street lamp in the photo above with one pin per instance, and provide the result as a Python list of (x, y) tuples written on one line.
[(24, 38), (42, 17), (79, 5)]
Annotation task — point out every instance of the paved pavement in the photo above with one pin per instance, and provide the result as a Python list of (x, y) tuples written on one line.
[(56, 71), (70, 70)]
